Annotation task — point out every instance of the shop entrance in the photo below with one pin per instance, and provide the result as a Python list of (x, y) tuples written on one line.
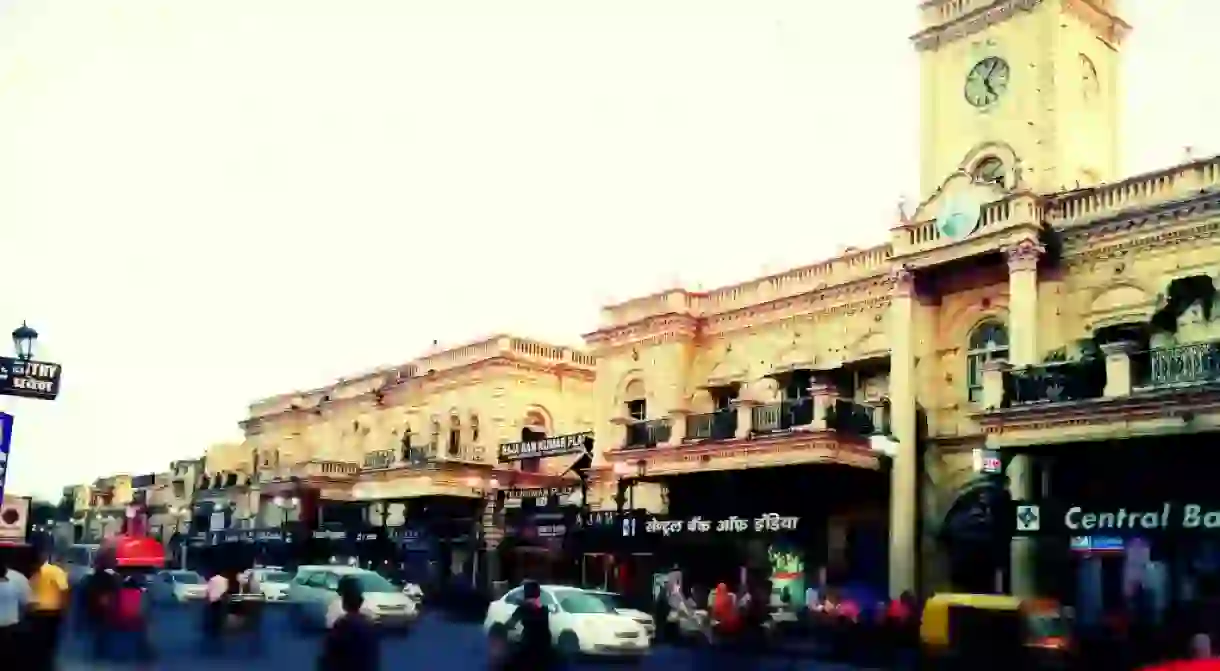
[(841, 538), (1101, 574)]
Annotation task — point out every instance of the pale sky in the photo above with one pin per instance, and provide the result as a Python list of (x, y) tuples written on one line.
[(203, 202)]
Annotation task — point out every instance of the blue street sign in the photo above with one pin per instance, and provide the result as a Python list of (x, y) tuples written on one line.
[(6, 441)]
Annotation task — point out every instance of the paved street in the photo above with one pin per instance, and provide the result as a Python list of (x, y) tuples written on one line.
[(436, 643)]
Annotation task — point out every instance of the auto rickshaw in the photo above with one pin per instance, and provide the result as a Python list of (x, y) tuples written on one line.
[(994, 631)]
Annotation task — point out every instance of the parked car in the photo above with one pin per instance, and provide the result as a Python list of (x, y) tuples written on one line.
[(581, 623), (176, 587), (78, 560), (615, 602), (314, 598)]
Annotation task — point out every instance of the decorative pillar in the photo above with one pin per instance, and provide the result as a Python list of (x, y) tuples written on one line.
[(677, 427), (1023, 259), (1021, 486), (745, 417), (1118, 368), (904, 506), (824, 396)]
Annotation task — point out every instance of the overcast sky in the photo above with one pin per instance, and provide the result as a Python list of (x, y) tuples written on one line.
[(207, 201)]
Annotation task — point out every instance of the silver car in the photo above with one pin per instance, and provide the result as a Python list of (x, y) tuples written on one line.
[(313, 597)]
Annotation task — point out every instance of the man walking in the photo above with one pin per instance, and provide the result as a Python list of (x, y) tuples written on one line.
[(14, 599), (49, 596)]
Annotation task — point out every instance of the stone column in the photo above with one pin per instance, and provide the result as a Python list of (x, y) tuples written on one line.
[(677, 427), (745, 417), (903, 503), (1021, 486), (824, 396), (1023, 260), (1118, 368)]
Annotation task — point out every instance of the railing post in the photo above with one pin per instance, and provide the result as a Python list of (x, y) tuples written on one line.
[(824, 396), (993, 383), (677, 427), (620, 422), (745, 417), (1118, 368)]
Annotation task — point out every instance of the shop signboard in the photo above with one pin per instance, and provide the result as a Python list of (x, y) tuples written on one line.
[(1113, 521), (29, 379), (541, 497), (573, 443), (6, 441)]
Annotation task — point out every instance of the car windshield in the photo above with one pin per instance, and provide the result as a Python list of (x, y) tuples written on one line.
[(371, 582), (276, 576), (186, 578), (612, 601), (581, 603)]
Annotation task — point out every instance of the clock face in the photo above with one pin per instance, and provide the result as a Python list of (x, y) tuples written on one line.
[(987, 81)]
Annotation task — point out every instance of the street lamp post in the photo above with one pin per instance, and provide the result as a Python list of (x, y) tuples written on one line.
[(285, 503), (24, 338)]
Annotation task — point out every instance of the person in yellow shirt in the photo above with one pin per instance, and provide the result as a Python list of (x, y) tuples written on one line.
[(49, 598)]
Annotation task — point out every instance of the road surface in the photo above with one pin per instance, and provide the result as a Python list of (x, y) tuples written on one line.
[(436, 643)]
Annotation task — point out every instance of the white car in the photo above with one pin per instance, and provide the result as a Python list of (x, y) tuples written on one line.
[(176, 587), (581, 623), (414, 593), (615, 601), (314, 597), (272, 582)]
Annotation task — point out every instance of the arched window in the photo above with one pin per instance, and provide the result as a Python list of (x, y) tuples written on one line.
[(988, 342), (990, 170)]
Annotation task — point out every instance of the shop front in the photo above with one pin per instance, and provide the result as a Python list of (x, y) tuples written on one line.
[(818, 517)]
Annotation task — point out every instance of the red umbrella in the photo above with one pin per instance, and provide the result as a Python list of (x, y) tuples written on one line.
[(135, 551)]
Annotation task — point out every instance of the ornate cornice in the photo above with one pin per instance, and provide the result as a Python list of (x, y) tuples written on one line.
[(1116, 236), (970, 23)]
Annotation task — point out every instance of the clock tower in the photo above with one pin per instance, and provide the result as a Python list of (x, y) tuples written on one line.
[(1033, 83)]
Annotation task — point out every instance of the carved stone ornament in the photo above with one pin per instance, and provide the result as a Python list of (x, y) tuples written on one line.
[(1024, 255), (902, 280)]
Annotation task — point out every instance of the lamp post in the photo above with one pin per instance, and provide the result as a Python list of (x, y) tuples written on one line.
[(285, 503), (180, 515), (24, 338)]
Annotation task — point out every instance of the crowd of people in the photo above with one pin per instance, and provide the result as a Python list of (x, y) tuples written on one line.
[(31, 613)]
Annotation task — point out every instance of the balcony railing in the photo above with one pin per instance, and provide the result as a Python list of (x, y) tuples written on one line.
[(782, 416), (379, 459), (718, 425), (852, 418), (1055, 382), (1183, 364), (648, 433)]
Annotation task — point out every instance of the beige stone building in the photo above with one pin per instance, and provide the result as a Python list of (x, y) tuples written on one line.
[(428, 428), (1029, 264)]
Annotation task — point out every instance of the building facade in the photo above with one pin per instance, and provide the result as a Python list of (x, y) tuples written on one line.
[(1035, 302)]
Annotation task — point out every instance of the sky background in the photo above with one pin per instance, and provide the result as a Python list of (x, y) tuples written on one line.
[(203, 202)]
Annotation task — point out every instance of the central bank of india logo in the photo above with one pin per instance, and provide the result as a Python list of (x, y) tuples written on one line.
[(1028, 518)]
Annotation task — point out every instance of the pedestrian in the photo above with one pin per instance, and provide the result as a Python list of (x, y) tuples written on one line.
[(49, 591), (214, 612), (534, 652), (14, 599), (100, 591), (130, 616), (351, 644)]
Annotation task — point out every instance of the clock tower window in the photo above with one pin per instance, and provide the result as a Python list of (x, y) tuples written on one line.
[(990, 170)]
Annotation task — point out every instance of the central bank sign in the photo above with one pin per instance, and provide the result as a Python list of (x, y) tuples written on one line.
[(1168, 517)]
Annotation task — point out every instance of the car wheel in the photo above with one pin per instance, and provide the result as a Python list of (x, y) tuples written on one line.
[(569, 644)]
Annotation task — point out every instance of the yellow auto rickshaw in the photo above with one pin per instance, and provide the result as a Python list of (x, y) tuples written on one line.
[(994, 630)]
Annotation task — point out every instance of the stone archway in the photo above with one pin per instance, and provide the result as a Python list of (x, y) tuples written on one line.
[(976, 535)]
